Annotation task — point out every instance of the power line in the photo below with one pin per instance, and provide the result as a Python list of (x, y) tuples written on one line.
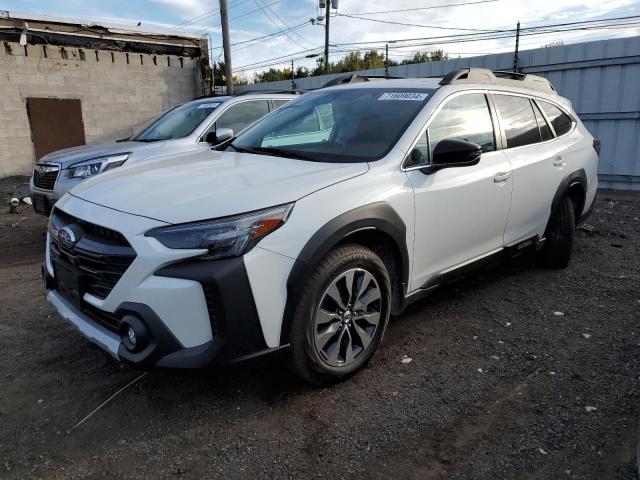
[(264, 10), (421, 8), (438, 27), (244, 14), (283, 22), (511, 31), (540, 30)]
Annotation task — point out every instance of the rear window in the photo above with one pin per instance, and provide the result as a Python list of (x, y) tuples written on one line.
[(518, 120), (561, 121)]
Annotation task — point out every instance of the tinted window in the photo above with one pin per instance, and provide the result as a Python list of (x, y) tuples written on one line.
[(543, 126), (239, 116), (341, 125), (279, 103), (518, 119), (177, 122), (561, 121), (466, 117)]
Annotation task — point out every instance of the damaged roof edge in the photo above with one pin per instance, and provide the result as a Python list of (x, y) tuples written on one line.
[(110, 27), (59, 39)]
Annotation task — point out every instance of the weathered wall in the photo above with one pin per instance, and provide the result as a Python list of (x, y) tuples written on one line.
[(115, 96), (601, 78)]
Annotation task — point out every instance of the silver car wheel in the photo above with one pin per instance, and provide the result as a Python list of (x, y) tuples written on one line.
[(347, 318)]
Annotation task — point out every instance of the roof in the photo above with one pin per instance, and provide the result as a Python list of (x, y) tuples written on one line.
[(111, 27)]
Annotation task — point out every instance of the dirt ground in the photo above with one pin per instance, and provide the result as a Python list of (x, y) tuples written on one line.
[(516, 372)]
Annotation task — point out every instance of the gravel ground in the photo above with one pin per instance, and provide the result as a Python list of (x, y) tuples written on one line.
[(516, 372)]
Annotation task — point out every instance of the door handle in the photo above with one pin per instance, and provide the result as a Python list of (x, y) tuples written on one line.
[(502, 177), (559, 162)]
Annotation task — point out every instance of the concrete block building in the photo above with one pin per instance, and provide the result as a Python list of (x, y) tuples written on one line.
[(65, 83)]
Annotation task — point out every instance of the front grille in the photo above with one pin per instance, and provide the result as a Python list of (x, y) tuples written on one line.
[(45, 176), (101, 255)]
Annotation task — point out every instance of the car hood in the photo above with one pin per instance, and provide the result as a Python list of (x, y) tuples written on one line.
[(211, 184), (69, 156)]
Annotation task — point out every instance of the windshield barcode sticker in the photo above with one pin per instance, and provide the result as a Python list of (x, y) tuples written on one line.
[(208, 105), (410, 96)]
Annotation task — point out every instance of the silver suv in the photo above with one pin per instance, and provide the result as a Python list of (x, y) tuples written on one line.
[(186, 128)]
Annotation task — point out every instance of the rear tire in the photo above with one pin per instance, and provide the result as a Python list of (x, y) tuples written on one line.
[(559, 236), (341, 315)]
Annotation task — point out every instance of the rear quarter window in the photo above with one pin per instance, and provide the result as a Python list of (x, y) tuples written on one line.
[(561, 122)]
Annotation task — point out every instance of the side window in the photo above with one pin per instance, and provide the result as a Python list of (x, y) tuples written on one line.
[(543, 126), (561, 121), (279, 103), (310, 123), (241, 115), (519, 121), (326, 115), (466, 117), (314, 126)]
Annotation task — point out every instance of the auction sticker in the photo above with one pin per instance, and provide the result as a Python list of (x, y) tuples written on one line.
[(408, 96), (208, 105)]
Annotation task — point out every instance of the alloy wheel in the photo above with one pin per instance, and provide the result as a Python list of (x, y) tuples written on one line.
[(347, 318)]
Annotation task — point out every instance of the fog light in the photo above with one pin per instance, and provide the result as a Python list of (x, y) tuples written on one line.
[(134, 334)]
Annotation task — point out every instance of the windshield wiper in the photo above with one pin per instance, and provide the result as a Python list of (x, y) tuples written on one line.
[(276, 152), (148, 140)]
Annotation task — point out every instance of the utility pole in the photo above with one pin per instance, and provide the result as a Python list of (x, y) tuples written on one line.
[(224, 20), (326, 37), (515, 56), (293, 77), (386, 60)]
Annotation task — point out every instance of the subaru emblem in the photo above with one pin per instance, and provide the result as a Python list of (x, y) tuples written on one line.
[(67, 238)]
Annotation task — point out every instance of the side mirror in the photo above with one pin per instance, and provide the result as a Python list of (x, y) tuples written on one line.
[(219, 135), (453, 153)]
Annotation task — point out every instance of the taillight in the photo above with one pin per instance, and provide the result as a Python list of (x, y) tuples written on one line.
[(596, 146)]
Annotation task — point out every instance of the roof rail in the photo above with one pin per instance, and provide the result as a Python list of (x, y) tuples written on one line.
[(273, 91), (355, 78), (499, 77)]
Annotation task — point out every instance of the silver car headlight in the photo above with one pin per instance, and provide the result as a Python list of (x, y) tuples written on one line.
[(89, 168), (224, 237)]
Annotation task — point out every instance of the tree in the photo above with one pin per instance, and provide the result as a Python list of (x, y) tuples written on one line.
[(351, 62), (423, 57)]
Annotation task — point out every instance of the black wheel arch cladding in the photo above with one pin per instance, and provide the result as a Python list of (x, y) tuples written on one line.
[(379, 216), (575, 178)]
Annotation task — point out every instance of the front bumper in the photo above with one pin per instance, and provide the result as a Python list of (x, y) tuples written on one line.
[(48, 198), (236, 330), (192, 312)]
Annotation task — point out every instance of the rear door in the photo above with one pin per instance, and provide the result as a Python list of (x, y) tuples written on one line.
[(461, 212), (536, 157)]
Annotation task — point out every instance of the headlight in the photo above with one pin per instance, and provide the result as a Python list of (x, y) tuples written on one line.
[(88, 168), (224, 237)]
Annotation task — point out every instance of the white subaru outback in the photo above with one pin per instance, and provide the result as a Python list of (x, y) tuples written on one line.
[(313, 226)]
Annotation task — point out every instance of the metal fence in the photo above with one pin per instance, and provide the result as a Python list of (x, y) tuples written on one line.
[(601, 78)]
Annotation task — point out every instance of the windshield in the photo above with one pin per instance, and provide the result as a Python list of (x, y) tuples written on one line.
[(176, 123), (342, 125)]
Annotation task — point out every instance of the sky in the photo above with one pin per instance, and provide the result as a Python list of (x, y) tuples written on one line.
[(254, 18)]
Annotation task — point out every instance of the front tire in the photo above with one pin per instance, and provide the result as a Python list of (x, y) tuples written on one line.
[(341, 315), (557, 248)]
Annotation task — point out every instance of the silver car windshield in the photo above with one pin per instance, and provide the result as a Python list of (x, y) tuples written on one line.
[(341, 125), (178, 122)]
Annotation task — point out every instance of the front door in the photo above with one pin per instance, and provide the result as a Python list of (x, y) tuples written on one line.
[(460, 212)]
